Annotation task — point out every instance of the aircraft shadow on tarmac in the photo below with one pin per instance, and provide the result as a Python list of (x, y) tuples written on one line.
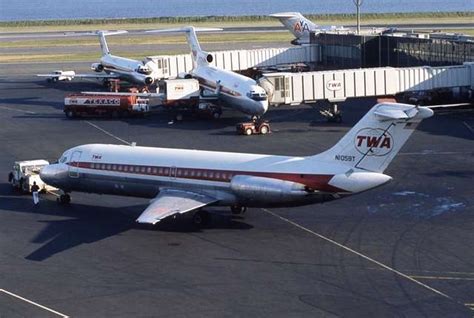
[(88, 224), (30, 101), (39, 115), (73, 87), (230, 118), (455, 123), (465, 174)]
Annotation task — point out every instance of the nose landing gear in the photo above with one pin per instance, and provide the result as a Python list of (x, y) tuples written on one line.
[(64, 198)]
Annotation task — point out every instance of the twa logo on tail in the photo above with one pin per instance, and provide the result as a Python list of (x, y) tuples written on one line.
[(373, 142)]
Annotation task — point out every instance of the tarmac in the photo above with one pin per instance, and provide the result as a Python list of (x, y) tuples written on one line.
[(402, 250)]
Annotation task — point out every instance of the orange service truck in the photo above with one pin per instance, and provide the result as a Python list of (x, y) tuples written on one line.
[(82, 104)]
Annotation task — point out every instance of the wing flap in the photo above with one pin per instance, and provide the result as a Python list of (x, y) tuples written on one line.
[(169, 202)]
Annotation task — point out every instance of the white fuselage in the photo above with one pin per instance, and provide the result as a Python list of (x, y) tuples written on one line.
[(355, 164), (235, 91), (128, 69), (144, 171)]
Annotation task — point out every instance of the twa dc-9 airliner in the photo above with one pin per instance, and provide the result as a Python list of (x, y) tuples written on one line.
[(182, 181)]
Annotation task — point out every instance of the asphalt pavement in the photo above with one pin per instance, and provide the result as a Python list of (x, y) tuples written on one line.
[(403, 250)]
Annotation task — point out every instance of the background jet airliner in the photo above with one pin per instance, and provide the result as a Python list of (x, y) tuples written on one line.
[(182, 180), (233, 90), (301, 27), (112, 66)]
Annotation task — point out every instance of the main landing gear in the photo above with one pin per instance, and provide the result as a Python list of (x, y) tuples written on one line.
[(238, 209), (201, 218)]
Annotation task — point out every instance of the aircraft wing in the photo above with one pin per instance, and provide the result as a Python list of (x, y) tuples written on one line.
[(169, 202), (149, 95), (97, 76)]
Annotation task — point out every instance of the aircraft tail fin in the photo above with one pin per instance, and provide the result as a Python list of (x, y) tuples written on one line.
[(375, 140), (199, 56), (103, 43), (296, 23)]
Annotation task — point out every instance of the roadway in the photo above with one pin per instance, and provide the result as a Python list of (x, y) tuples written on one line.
[(405, 249)]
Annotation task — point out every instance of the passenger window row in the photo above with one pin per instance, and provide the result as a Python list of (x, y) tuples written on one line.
[(168, 172)]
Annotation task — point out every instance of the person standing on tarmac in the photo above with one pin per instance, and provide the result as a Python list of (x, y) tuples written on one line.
[(34, 191)]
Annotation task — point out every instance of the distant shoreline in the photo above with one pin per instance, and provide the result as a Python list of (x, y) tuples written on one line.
[(318, 18)]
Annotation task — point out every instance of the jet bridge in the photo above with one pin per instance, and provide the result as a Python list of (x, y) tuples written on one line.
[(171, 66), (337, 86)]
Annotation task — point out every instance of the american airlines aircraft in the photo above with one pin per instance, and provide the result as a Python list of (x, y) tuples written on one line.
[(180, 181), (234, 90), (114, 67), (301, 27)]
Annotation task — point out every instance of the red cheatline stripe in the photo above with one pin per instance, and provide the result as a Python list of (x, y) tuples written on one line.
[(313, 181), (211, 85)]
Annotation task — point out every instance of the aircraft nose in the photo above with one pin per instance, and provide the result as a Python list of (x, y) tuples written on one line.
[(262, 107), (51, 174), (48, 172)]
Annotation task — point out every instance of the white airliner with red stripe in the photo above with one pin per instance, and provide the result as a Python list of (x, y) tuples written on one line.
[(234, 90), (112, 66), (185, 180)]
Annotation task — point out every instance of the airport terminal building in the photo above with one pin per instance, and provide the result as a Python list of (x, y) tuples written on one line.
[(342, 50)]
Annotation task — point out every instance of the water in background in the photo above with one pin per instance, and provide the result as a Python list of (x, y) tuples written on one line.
[(79, 9)]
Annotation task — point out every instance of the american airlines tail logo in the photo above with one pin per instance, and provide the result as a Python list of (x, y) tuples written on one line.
[(301, 26), (373, 142)]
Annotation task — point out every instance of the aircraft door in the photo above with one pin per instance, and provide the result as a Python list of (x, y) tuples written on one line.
[(282, 89), (286, 91), (173, 172), (74, 164), (165, 68)]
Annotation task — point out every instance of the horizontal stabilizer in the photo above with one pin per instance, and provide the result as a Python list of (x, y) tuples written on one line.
[(199, 56), (389, 111), (285, 15)]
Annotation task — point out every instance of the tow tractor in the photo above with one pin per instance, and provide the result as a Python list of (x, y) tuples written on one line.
[(256, 126), (25, 173)]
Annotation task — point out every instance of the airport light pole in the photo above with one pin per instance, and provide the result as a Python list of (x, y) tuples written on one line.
[(358, 4)]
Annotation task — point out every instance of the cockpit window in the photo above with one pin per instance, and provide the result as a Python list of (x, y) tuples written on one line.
[(63, 159), (258, 96)]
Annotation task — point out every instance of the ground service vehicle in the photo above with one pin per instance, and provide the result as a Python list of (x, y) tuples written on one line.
[(25, 173), (254, 127), (185, 96), (88, 104)]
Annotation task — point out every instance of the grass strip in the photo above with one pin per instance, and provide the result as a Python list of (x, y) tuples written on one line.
[(155, 39), (229, 21)]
